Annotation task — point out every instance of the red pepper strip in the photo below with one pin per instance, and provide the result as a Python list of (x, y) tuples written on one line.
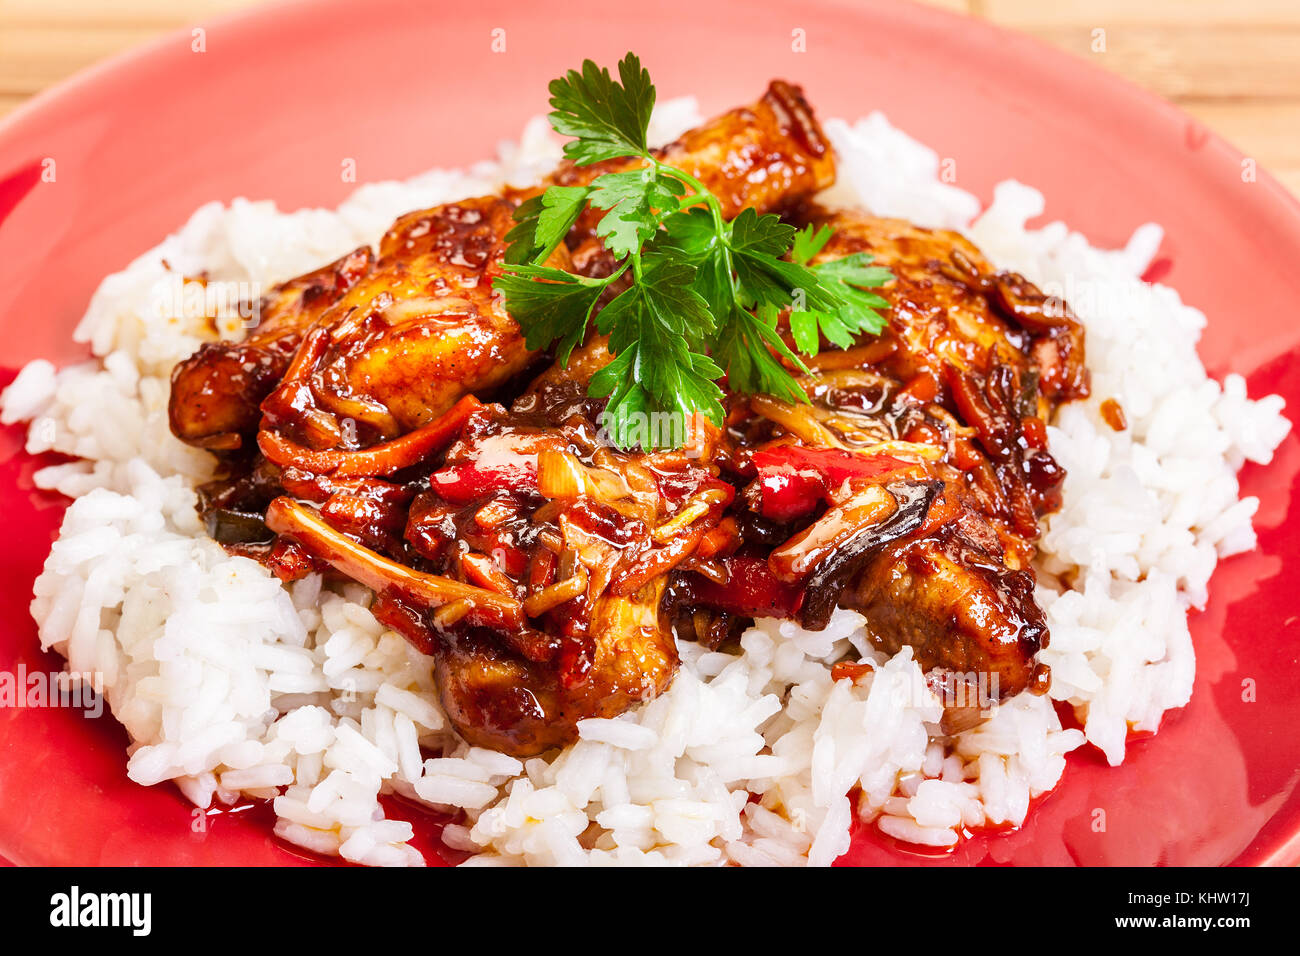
[(541, 573), (471, 481), (386, 577), (505, 462), (1035, 432), (752, 590), (794, 479), (512, 560), (575, 663), (389, 611), (922, 389), (787, 492), (290, 561), (384, 459)]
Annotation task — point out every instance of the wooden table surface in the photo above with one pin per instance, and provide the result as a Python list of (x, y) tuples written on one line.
[(1233, 64)]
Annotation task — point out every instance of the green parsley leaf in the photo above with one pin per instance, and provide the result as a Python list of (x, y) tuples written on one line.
[(760, 237), (550, 305), (690, 236), (808, 242), (757, 243), (608, 119), (841, 309), (856, 270), (655, 330), (806, 331), (544, 221), (824, 300), (745, 346), (706, 295), (634, 200)]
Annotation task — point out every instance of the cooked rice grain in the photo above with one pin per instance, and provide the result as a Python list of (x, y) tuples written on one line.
[(232, 685)]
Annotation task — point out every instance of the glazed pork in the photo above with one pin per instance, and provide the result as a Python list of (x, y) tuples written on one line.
[(520, 548), (947, 405), (543, 557), (549, 573), (216, 392), (383, 345)]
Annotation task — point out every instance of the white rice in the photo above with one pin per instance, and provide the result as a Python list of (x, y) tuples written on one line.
[(232, 685)]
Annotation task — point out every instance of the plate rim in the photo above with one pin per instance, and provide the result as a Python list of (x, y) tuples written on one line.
[(65, 93)]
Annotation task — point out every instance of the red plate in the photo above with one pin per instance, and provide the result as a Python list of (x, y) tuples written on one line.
[(280, 97)]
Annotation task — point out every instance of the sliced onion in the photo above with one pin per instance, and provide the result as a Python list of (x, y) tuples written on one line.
[(796, 559), (798, 420), (535, 605), (560, 474)]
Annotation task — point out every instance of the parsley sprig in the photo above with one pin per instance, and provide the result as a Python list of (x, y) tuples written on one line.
[(705, 293)]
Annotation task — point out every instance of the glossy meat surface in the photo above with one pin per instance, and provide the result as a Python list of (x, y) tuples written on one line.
[(548, 573), (421, 326), (950, 596), (421, 329), (767, 156), (505, 702), (216, 392), (951, 309), (985, 345), (406, 484), (954, 392), (538, 557)]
